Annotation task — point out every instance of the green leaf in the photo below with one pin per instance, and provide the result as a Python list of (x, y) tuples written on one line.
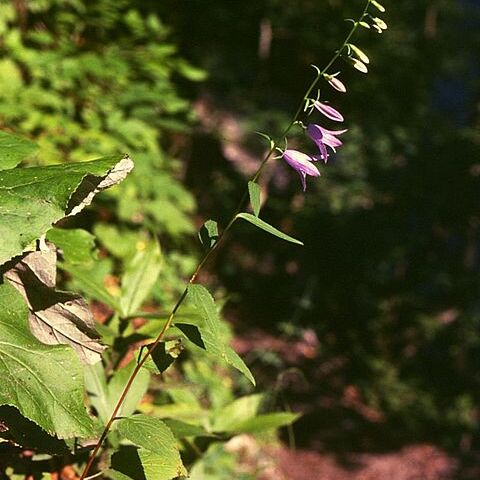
[(32, 199), (254, 193), (163, 356), (182, 429), (236, 412), (116, 475), (13, 150), (261, 423), (211, 332), (141, 274), (120, 242), (158, 450), (268, 228), (208, 234), (104, 396), (44, 382), (137, 391), (96, 387), (91, 286), (77, 245)]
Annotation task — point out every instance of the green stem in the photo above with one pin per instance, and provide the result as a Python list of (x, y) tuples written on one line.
[(207, 255)]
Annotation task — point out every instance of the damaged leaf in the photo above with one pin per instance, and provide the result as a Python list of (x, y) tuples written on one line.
[(44, 382), (34, 198), (55, 317)]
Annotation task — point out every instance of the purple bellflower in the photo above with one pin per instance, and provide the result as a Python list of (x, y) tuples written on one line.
[(328, 111), (302, 163), (324, 138)]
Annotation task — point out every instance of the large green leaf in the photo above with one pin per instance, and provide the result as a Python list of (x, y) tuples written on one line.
[(158, 449), (211, 332), (44, 382), (32, 199), (141, 273), (267, 227), (13, 150)]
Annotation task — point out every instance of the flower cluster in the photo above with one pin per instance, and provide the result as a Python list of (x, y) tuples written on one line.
[(322, 138)]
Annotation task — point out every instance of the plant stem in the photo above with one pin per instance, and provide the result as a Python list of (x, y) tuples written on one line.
[(207, 255)]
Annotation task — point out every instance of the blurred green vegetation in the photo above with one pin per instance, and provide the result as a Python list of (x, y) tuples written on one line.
[(389, 275)]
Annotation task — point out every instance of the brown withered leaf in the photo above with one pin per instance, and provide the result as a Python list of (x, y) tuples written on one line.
[(54, 316)]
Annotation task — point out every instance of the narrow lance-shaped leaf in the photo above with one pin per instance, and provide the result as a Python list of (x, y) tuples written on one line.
[(210, 334), (141, 274), (44, 382), (268, 228), (104, 396), (254, 193), (264, 422), (91, 286)]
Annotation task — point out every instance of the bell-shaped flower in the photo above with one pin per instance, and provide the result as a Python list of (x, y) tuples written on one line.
[(302, 163), (324, 138), (328, 111)]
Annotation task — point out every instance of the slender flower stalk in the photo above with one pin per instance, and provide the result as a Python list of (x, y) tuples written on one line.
[(297, 160)]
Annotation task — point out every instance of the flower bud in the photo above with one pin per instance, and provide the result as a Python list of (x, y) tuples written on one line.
[(360, 66), (336, 83), (359, 53), (378, 6)]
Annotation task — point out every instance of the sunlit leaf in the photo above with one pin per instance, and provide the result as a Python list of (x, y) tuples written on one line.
[(13, 150), (104, 396), (32, 199), (45, 382), (75, 245), (267, 228), (158, 450), (210, 335), (55, 317), (141, 274)]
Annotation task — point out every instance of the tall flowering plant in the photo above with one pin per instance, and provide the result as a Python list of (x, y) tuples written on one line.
[(326, 141)]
